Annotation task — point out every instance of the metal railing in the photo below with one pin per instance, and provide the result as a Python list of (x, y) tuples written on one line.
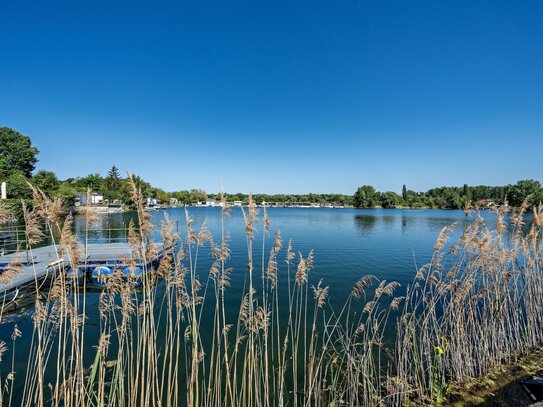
[(109, 234), (13, 238)]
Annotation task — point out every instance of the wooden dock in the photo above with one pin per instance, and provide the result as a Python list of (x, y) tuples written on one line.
[(42, 262)]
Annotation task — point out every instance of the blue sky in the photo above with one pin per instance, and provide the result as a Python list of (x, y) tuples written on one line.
[(278, 96)]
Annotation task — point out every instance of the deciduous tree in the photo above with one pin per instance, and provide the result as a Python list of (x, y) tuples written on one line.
[(16, 153)]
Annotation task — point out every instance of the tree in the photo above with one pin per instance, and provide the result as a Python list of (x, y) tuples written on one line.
[(365, 197), (183, 197), (66, 192), (113, 179), (465, 190), (480, 192), (197, 195), (47, 181), (93, 181), (125, 192), (16, 153), (404, 193), (522, 190), (413, 199), (389, 199), (451, 199), (17, 185), (160, 194)]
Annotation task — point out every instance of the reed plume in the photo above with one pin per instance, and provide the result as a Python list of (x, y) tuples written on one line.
[(192, 334)]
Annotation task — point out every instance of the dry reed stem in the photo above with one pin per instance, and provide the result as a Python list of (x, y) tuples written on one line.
[(470, 308)]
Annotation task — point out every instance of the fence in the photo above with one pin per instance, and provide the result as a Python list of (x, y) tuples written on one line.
[(13, 238)]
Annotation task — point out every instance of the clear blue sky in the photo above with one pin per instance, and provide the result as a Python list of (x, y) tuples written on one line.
[(278, 96)]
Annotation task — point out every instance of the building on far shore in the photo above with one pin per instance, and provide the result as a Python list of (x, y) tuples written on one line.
[(97, 203), (153, 201), (96, 198), (485, 203)]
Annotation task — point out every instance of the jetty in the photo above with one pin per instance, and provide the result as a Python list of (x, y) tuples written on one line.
[(40, 263)]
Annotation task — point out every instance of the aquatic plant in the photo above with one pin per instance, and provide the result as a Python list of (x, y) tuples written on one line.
[(175, 340)]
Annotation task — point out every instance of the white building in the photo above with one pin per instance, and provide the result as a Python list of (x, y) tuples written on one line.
[(153, 201), (96, 198)]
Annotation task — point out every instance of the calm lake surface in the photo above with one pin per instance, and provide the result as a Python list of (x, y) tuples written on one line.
[(347, 244)]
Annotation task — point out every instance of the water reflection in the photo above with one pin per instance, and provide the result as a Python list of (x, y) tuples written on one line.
[(389, 220), (107, 228), (365, 223)]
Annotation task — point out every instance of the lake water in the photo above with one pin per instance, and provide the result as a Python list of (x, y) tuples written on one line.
[(347, 244)]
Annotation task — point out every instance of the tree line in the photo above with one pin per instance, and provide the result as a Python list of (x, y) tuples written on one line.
[(529, 190), (18, 158)]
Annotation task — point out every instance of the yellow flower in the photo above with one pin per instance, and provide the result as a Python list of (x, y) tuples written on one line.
[(439, 350)]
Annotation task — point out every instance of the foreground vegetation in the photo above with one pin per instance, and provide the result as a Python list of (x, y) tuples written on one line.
[(475, 306)]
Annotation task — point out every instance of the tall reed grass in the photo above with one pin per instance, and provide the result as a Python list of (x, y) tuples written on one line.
[(173, 341)]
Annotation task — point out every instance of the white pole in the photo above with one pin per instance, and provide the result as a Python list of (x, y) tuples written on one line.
[(4, 190)]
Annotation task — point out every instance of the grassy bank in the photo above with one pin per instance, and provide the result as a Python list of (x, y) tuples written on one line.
[(500, 386)]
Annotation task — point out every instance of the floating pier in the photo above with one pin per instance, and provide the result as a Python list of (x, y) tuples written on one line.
[(42, 262), (106, 247)]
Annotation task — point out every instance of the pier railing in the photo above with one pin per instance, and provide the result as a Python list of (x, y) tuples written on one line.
[(109, 234), (13, 238)]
